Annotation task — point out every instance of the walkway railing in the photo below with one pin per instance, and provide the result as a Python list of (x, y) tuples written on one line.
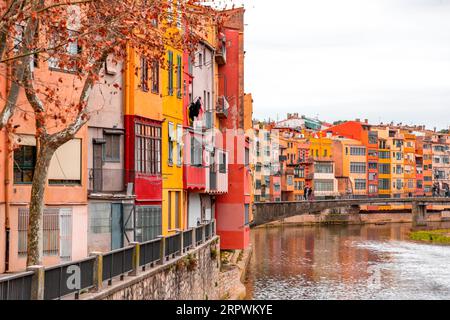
[(16, 287), (76, 277)]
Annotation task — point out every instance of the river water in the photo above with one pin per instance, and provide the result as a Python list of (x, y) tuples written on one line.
[(346, 262)]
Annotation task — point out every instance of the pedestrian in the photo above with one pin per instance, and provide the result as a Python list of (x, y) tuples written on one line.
[(310, 192), (305, 192)]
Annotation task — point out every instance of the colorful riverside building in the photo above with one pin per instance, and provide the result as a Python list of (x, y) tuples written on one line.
[(410, 176), (322, 174), (65, 218), (233, 209), (266, 171), (144, 142), (172, 136), (424, 146), (110, 196), (205, 169), (295, 163), (350, 158), (361, 131)]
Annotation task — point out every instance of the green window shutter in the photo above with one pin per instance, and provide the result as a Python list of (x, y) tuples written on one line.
[(170, 69)]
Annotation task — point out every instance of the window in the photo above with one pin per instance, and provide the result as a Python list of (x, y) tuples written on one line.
[(323, 168), (144, 74), (100, 217), (179, 74), (72, 48), (196, 151), (384, 168), (384, 184), (223, 162), (170, 73), (246, 214), (247, 157), (372, 176), (177, 209), (373, 137), (24, 163), (290, 180), (148, 148), (373, 188), (258, 184), (419, 184), (384, 154), (169, 210), (200, 60), (357, 167), (148, 223), (65, 166), (373, 153), (190, 66), (373, 165), (155, 77), (171, 138), (324, 185), (179, 145), (357, 151), (299, 172), (111, 149), (51, 231), (360, 184)]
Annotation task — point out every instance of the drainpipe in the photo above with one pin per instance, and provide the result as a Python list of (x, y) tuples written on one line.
[(6, 186)]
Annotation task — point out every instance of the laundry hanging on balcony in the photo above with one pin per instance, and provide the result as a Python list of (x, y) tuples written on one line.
[(195, 109)]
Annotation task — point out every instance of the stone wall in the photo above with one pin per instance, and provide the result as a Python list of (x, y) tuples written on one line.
[(176, 280)]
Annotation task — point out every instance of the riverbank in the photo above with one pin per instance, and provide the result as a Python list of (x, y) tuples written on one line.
[(432, 236), (232, 275), (362, 218)]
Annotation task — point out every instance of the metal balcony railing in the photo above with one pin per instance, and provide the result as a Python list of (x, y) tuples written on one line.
[(222, 107), (106, 180)]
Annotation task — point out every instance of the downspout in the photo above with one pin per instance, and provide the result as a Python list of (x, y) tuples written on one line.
[(7, 182)]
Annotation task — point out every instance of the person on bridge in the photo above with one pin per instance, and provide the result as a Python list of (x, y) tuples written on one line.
[(310, 193)]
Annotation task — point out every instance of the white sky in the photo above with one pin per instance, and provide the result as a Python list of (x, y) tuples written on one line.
[(385, 60)]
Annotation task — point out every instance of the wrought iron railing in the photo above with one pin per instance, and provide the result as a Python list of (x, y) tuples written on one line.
[(16, 287), (117, 263), (60, 281), (150, 253)]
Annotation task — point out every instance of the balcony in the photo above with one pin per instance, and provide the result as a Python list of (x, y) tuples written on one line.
[(194, 177), (222, 108), (217, 173), (221, 52), (106, 181)]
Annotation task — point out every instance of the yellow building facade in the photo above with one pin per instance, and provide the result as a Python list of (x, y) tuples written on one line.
[(173, 199)]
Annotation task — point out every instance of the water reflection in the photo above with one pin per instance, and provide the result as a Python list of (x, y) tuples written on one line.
[(346, 262)]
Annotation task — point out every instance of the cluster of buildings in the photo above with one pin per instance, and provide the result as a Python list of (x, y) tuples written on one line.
[(164, 154), (349, 159)]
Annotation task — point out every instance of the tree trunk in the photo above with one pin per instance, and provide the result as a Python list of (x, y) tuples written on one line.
[(34, 239)]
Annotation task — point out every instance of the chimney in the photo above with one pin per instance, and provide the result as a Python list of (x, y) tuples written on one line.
[(358, 120), (366, 121)]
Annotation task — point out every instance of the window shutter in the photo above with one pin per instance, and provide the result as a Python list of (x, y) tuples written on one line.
[(66, 162)]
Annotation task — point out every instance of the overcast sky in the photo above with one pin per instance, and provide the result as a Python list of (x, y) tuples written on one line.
[(385, 60)]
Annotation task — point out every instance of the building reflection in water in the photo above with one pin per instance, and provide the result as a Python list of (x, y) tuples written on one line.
[(328, 262)]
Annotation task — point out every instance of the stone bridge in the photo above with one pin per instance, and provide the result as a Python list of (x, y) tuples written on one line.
[(265, 212)]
